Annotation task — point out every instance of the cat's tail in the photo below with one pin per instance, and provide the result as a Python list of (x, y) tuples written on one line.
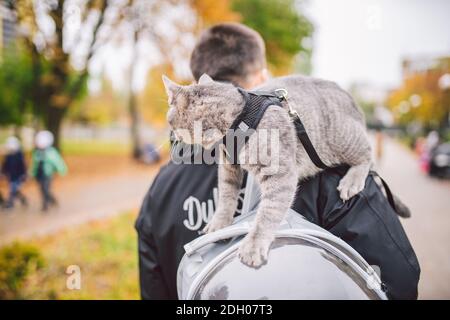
[(401, 209)]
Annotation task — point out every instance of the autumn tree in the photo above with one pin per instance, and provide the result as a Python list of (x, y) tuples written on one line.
[(422, 99), (61, 37), (101, 107), (212, 12), (280, 23), (15, 81), (285, 30), (202, 13)]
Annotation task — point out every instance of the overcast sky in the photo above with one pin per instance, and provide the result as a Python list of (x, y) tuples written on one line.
[(366, 40)]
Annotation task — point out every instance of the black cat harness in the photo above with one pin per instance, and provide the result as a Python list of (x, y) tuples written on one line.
[(246, 123)]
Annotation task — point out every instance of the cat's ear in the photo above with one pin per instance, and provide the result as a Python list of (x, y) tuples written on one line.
[(205, 79), (171, 87)]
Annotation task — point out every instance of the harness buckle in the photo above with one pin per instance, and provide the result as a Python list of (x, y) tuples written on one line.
[(281, 94), (293, 113), (243, 126)]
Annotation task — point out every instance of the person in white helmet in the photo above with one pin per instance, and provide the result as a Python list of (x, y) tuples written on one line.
[(14, 169), (46, 161)]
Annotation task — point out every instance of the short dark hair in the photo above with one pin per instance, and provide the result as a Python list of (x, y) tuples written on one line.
[(228, 52)]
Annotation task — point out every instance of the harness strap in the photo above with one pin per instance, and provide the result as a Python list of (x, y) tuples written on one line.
[(256, 104), (307, 144)]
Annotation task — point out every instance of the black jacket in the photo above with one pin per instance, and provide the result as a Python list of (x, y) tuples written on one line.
[(14, 167), (181, 198), (174, 210)]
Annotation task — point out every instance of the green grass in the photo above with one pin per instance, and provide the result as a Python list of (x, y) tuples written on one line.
[(106, 253), (93, 147)]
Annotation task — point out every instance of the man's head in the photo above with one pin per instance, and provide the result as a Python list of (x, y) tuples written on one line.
[(230, 52)]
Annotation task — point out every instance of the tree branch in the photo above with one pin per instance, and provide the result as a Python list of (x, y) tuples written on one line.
[(76, 88)]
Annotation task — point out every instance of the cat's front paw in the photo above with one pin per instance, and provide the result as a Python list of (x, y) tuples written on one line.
[(350, 186), (254, 251), (217, 223)]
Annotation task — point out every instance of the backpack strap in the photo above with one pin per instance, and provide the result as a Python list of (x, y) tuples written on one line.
[(388, 191)]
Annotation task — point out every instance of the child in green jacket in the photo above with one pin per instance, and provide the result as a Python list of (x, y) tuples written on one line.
[(46, 161)]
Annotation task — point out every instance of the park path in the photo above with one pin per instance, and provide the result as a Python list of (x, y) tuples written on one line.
[(429, 227), (81, 199)]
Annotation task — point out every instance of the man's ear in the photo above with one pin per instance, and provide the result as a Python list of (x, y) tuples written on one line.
[(205, 79), (171, 87), (264, 75)]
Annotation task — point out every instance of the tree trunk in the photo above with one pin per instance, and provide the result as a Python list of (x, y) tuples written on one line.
[(53, 122), (17, 131), (134, 126), (133, 108)]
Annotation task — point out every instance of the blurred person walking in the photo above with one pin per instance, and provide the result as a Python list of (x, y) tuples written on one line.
[(432, 141), (424, 148), (46, 161), (379, 144), (420, 150), (15, 170)]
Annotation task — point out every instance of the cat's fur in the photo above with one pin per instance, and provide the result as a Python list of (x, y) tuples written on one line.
[(333, 122)]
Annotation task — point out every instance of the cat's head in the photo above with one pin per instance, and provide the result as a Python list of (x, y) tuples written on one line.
[(201, 113)]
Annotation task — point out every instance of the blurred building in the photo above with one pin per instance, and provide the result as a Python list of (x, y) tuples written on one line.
[(424, 64), (421, 100), (371, 98), (7, 28), (369, 92)]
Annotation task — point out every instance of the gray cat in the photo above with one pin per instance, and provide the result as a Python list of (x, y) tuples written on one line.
[(333, 121)]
